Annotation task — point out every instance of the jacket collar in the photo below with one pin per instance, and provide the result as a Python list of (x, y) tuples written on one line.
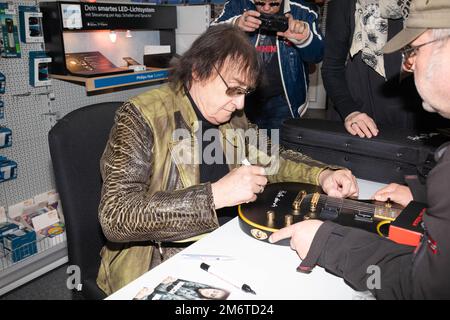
[(186, 109)]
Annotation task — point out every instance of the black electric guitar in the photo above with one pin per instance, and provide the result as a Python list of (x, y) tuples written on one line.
[(283, 204)]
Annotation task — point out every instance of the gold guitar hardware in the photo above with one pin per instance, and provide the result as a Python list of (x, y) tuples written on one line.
[(314, 201), (270, 218), (298, 200), (288, 220)]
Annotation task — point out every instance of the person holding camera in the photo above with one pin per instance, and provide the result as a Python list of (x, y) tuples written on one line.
[(287, 38)]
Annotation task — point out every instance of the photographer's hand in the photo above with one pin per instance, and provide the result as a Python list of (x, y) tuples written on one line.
[(297, 32), (249, 21)]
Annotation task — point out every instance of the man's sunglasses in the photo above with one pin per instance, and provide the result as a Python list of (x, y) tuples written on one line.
[(234, 91), (271, 4)]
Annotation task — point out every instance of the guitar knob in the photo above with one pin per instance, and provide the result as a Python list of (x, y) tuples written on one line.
[(270, 215), (288, 220), (306, 217)]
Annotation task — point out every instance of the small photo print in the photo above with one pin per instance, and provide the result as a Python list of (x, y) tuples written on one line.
[(178, 289)]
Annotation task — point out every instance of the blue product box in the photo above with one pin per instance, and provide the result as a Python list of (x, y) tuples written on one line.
[(8, 169), (30, 24), (20, 244), (10, 46), (2, 83), (5, 137), (6, 228), (39, 62)]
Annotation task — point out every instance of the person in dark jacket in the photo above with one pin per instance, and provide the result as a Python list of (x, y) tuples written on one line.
[(405, 272), (365, 86), (283, 92)]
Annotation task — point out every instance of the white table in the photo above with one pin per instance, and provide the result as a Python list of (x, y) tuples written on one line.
[(269, 269)]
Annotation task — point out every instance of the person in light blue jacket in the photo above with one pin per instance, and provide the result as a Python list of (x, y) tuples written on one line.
[(283, 91)]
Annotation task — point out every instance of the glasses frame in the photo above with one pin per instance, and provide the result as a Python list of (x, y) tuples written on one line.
[(271, 3), (410, 51), (234, 91)]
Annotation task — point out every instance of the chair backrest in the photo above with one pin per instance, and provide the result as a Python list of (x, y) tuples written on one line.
[(76, 144)]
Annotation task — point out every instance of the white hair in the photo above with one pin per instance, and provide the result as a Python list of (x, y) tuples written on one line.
[(440, 33)]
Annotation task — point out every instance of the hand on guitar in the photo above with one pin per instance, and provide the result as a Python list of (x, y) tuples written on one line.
[(239, 186), (339, 183), (396, 193), (301, 234)]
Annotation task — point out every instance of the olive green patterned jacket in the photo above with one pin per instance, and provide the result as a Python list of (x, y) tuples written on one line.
[(152, 198)]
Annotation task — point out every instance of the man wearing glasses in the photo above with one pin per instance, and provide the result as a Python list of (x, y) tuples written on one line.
[(283, 92), (180, 156), (405, 272)]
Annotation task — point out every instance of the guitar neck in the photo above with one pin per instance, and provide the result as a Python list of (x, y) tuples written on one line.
[(375, 211)]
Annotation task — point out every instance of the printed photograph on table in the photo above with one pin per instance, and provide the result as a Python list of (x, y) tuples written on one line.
[(178, 289)]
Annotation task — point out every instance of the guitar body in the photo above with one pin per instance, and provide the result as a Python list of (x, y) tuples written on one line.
[(286, 203)]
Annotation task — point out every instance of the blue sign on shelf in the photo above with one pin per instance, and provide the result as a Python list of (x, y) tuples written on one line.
[(131, 79)]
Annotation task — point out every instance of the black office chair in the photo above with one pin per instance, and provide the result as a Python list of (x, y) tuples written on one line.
[(76, 144)]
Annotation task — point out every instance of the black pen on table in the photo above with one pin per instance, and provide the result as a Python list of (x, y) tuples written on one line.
[(244, 287)]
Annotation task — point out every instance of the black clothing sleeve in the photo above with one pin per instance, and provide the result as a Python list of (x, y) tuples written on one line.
[(338, 36), (349, 253), (418, 189)]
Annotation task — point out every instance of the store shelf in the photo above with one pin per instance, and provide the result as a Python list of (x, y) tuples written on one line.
[(52, 253), (116, 81)]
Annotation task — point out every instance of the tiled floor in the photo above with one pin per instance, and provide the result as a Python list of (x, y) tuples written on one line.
[(51, 286)]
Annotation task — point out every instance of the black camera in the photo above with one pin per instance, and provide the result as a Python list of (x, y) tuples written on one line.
[(273, 22)]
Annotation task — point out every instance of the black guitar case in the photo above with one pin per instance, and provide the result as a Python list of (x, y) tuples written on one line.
[(386, 158)]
